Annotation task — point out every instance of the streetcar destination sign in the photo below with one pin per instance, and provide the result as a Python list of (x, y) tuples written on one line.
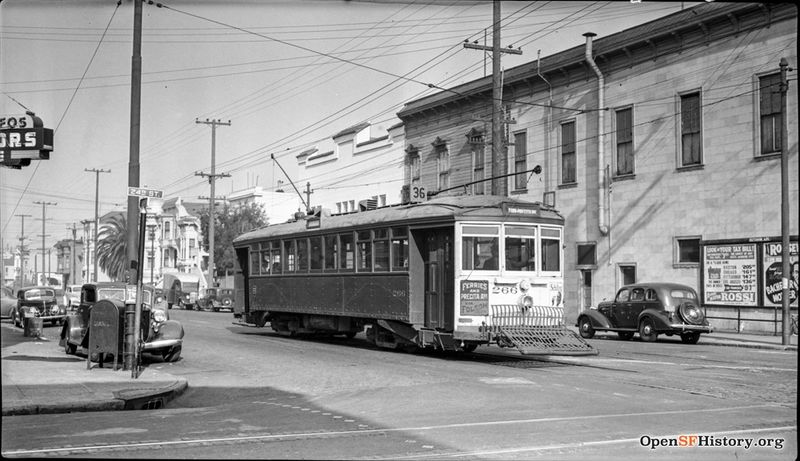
[(141, 192)]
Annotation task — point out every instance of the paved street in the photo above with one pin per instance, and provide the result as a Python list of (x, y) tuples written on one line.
[(254, 394)]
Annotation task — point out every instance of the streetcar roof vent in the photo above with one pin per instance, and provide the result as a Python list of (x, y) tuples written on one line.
[(368, 204)]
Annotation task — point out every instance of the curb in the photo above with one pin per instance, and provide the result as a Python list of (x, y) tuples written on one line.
[(126, 399)]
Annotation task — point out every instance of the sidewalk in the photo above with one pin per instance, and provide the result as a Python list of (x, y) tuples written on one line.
[(39, 377)]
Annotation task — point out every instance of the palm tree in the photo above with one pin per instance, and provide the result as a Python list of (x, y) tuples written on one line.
[(112, 247)]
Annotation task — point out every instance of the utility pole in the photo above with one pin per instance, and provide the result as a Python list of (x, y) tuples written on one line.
[(44, 206), (23, 252), (87, 255), (212, 179), (97, 210), (785, 266), (72, 255), (499, 160)]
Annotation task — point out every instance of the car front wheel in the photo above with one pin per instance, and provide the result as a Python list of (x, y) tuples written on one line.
[(690, 338), (586, 328), (172, 355), (647, 331)]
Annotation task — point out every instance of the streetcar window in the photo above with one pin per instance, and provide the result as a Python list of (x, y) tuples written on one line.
[(331, 252), (347, 254), (289, 256), (275, 260), (520, 248), (365, 251), (302, 255), (480, 247), (316, 253), (551, 250), (399, 249), (255, 258), (480, 253), (381, 250), (265, 263)]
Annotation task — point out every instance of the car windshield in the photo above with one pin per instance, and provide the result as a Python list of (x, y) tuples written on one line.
[(682, 294), (39, 293), (122, 294)]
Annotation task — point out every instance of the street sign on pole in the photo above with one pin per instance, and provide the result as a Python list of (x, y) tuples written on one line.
[(146, 193)]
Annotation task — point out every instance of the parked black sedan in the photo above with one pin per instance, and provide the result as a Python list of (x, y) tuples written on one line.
[(38, 301), (649, 309)]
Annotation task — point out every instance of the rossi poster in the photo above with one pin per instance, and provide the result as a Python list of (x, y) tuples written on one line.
[(731, 276)]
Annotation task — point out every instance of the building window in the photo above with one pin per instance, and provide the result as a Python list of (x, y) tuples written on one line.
[(624, 135), (568, 155), (627, 274), (770, 112), (414, 165), (443, 166), (520, 160), (691, 130), (687, 250), (167, 230), (587, 254), (478, 165)]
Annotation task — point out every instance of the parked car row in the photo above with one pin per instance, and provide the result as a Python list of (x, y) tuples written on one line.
[(159, 334)]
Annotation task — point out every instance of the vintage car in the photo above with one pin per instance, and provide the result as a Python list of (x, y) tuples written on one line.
[(649, 309), (160, 335), (217, 298), (38, 301), (74, 295), (181, 289), (7, 302)]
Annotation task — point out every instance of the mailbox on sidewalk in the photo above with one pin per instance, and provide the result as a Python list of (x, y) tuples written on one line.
[(106, 331)]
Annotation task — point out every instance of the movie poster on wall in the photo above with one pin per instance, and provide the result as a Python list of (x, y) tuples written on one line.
[(773, 269), (731, 274)]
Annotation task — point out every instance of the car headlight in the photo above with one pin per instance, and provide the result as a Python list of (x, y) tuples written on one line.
[(54, 309), (159, 316)]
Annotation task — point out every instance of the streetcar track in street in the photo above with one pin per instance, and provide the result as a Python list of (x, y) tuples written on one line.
[(308, 435)]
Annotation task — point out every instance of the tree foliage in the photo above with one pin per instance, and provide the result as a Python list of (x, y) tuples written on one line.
[(230, 223), (112, 247)]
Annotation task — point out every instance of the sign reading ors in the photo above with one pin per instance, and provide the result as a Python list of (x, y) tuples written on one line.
[(24, 138)]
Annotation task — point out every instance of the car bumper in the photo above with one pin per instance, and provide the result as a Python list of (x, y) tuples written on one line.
[(161, 344), (681, 327), (47, 317)]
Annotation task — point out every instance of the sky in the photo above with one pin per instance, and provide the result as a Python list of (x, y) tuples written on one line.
[(285, 74)]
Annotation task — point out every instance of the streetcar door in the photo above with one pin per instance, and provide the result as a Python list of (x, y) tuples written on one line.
[(438, 258)]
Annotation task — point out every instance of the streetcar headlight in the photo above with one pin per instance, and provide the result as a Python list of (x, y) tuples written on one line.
[(524, 285), (159, 316)]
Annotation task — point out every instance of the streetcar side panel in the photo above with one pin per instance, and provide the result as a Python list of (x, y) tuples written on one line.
[(382, 296)]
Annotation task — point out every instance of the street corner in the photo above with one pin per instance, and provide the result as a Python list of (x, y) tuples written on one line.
[(151, 395)]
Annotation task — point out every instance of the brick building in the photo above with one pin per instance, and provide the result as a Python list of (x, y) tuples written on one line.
[(656, 144)]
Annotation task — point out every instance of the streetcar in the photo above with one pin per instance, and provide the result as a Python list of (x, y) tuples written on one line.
[(450, 273)]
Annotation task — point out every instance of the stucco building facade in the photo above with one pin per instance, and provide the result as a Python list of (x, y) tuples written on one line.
[(656, 144)]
